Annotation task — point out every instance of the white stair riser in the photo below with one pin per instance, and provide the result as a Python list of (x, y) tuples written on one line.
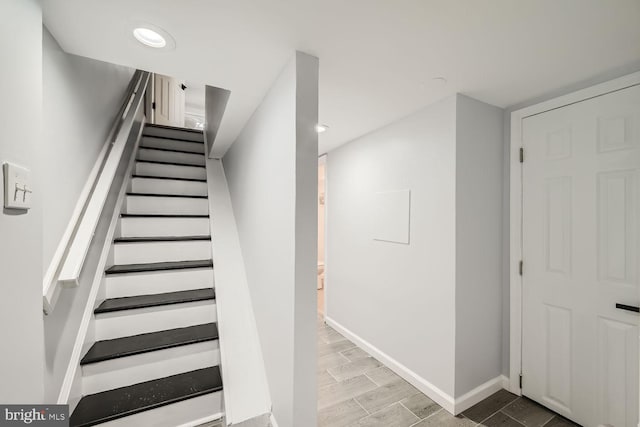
[(166, 205), (170, 156), (168, 186), (188, 413), (158, 282), (171, 144), (158, 227), (125, 371), (174, 133), (139, 321), (141, 253), (172, 171)]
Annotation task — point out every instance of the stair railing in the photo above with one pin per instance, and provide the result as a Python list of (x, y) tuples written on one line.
[(69, 266)]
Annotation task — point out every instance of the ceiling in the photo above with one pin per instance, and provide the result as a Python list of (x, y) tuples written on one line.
[(378, 58)]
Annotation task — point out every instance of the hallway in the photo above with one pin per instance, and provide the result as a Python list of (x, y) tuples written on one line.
[(355, 390)]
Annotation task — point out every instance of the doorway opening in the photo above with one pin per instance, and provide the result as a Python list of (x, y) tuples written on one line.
[(176, 102), (321, 235)]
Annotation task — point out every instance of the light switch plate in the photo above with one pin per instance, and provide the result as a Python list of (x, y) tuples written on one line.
[(17, 187)]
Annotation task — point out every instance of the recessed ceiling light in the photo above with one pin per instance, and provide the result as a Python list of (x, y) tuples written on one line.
[(321, 128), (149, 37)]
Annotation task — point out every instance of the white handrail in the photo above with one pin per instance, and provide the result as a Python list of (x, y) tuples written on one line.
[(83, 234)]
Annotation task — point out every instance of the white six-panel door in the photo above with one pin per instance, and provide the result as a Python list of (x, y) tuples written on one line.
[(581, 249), (169, 100)]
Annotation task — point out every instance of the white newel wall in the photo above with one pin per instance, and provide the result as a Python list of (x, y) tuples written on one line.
[(272, 174)]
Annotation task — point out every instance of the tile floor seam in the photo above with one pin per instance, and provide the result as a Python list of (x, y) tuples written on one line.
[(360, 405), (430, 415), (514, 419), (327, 371), (548, 421), (371, 379), (501, 408)]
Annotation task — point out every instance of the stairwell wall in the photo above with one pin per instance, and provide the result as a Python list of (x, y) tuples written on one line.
[(81, 98), (21, 333), (271, 171)]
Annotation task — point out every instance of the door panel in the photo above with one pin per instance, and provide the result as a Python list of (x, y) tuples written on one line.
[(169, 100), (581, 226)]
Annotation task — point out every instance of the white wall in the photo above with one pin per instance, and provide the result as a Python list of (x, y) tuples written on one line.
[(434, 306), (479, 219), (399, 298), (80, 101), (81, 98), (21, 334), (272, 175)]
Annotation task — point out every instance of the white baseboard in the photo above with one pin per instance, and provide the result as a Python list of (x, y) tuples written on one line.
[(451, 405), (433, 392), (203, 420), (274, 423)]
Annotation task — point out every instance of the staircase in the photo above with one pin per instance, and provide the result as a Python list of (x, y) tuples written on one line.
[(155, 359)]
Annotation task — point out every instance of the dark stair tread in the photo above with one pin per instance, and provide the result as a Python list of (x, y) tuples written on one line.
[(154, 300), (127, 215), (171, 150), (170, 163), (184, 196), (172, 138), (153, 125), (160, 239), (144, 343), (169, 178), (159, 266), (121, 402)]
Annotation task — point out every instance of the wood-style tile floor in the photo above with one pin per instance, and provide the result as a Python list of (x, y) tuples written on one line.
[(356, 390)]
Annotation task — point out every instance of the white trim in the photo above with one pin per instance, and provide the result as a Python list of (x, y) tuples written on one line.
[(437, 395), (323, 160), (515, 353), (246, 390), (479, 393), (50, 290), (74, 362), (200, 421), (274, 423)]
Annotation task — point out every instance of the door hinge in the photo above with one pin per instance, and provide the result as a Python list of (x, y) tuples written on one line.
[(520, 381), (153, 105), (521, 154), (521, 267)]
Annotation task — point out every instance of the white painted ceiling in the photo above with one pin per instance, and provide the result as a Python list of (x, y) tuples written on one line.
[(377, 57)]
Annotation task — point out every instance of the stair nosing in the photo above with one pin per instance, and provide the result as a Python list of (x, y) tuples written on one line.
[(168, 178), (209, 264), (214, 337), (156, 304), (185, 196), (158, 126), (142, 147), (151, 239), (215, 389), (171, 139), (170, 163), (128, 215)]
